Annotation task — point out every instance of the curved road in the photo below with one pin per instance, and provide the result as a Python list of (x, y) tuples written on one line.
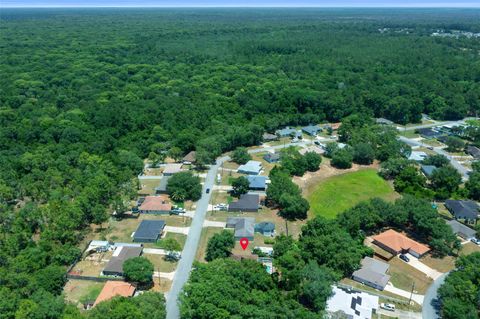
[(428, 312)]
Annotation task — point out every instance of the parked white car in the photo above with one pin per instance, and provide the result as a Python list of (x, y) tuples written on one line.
[(387, 306), (475, 241)]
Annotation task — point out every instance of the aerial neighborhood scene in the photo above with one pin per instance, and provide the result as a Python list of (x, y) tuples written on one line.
[(210, 160)]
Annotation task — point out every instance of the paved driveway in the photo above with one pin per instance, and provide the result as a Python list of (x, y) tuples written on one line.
[(154, 251), (417, 264), (178, 230), (406, 294), (210, 223), (166, 275)]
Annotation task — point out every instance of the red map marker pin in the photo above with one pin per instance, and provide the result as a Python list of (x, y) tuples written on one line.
[(244, 243)]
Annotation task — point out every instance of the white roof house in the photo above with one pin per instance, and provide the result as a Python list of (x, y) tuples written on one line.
[(171, 169), (417, 156), (356, 305), (250, 168)]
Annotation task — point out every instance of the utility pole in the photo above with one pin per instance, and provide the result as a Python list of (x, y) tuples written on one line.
[(411, 293)]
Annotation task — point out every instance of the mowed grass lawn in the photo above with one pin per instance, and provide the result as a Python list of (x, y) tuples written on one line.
[(341, 192)]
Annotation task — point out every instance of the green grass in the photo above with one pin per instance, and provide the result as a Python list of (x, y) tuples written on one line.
[(342, 192)]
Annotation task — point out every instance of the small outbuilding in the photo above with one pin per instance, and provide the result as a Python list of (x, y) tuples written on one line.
[(265, 228), (250, 168), (149, 231), (246, 203)]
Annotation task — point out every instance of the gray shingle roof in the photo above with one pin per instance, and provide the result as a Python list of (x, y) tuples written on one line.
[(256, 181), (244, 226), (461, 229), (271, 157), (285, 132), (373, 271), (462, 208), (264, 227), (115, 265), (247, 202), (311, 129), (251, 167), (149, 230)]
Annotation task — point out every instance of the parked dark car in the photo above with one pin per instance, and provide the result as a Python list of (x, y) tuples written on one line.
[(404, 258), (208, 190)]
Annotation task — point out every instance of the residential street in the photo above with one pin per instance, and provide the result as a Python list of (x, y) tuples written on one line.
[(427, 309), (188, 255), (462, 170), (406, 294)]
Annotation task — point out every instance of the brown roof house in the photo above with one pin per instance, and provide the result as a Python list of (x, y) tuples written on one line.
[(190, 158), (155, 205), (114, 289), (397, 243)]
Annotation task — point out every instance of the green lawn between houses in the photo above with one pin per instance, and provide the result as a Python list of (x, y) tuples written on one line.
[(341, 192)]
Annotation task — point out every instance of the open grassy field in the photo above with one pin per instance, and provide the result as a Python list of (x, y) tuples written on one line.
[(338, 193)]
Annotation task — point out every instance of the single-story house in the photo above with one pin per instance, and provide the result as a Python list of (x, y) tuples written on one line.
[(463, 209), (354, 304), (172, 168), (272, 157), (311, 130), (190, 158), (429, 133), (285, 132), (244, 227), (257, 182), (114, 289), (417, 156), (267, 137), (265, 228), (162, 186), (427, 170), (474, 151), (250, 168), (383, 121), (373, 273), (149, 231), (155, 205), (461, 230), (122, 253), (397, 243), (246, 203)]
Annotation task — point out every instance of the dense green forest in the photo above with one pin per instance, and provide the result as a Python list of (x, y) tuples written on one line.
[(86, 94)]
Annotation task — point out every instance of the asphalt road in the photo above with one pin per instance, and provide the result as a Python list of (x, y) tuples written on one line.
[(462, 170), (190, 249), (428, 312), (416, 127)]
